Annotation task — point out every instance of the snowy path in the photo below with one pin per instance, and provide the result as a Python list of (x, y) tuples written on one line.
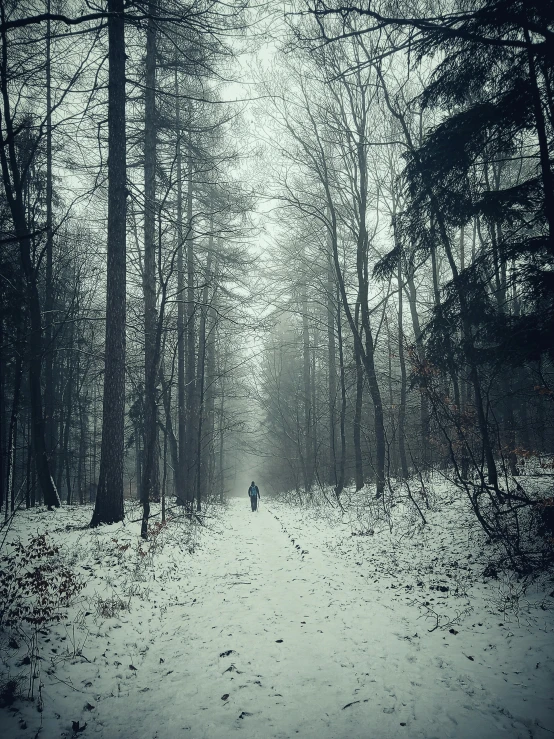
[(253, 636), (302, 647)]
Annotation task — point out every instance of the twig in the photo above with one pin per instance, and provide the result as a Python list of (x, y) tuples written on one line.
[(69, 685)]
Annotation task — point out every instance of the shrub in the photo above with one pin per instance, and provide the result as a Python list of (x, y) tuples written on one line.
[(36, 585), (8, 692)]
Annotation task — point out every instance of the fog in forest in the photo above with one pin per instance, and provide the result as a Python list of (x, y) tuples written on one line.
[(306, 245)]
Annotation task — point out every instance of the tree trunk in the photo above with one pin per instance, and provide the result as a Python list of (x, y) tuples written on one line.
[(342, 463), (211, 384), (34, 499), (368, 355), (464, 391), (109, 496), (169, 431), (308, 463), (57, 460), (221, 455), (49, 287), (2, 405), (29, 449), (359, 469), (12, 435), (66, 456), (314, 404), (190, 365), (332, 369), (403, 380), (180, 468), (392, 456), (81, 469), (164, 476), (202, 379), (150, 481)]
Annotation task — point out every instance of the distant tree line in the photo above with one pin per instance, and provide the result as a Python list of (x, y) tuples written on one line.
[(123, 255), (416, 252)]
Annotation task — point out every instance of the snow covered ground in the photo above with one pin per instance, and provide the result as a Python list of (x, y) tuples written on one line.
[(287, 623)]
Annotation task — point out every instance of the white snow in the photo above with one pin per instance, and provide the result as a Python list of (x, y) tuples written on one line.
[(282, 624)]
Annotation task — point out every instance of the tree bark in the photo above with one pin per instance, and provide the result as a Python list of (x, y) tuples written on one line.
[(66, 456), (12, 436), (202, 348), (190, 364), (368, 355), (164, 476), (342, 463), (169, 430), (29, 449), (180, 469), (150, 481), (403, 380), (314, 403), (49, 287), (81, 469), (2, 406), (357, 430), (109, 496), (308, 463), (221, 455), (211, 384), (332, 369)]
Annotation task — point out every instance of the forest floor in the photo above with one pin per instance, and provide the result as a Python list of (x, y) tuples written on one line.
[(284, 623)]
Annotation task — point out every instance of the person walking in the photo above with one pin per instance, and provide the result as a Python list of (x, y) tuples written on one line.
[(254, 494)]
